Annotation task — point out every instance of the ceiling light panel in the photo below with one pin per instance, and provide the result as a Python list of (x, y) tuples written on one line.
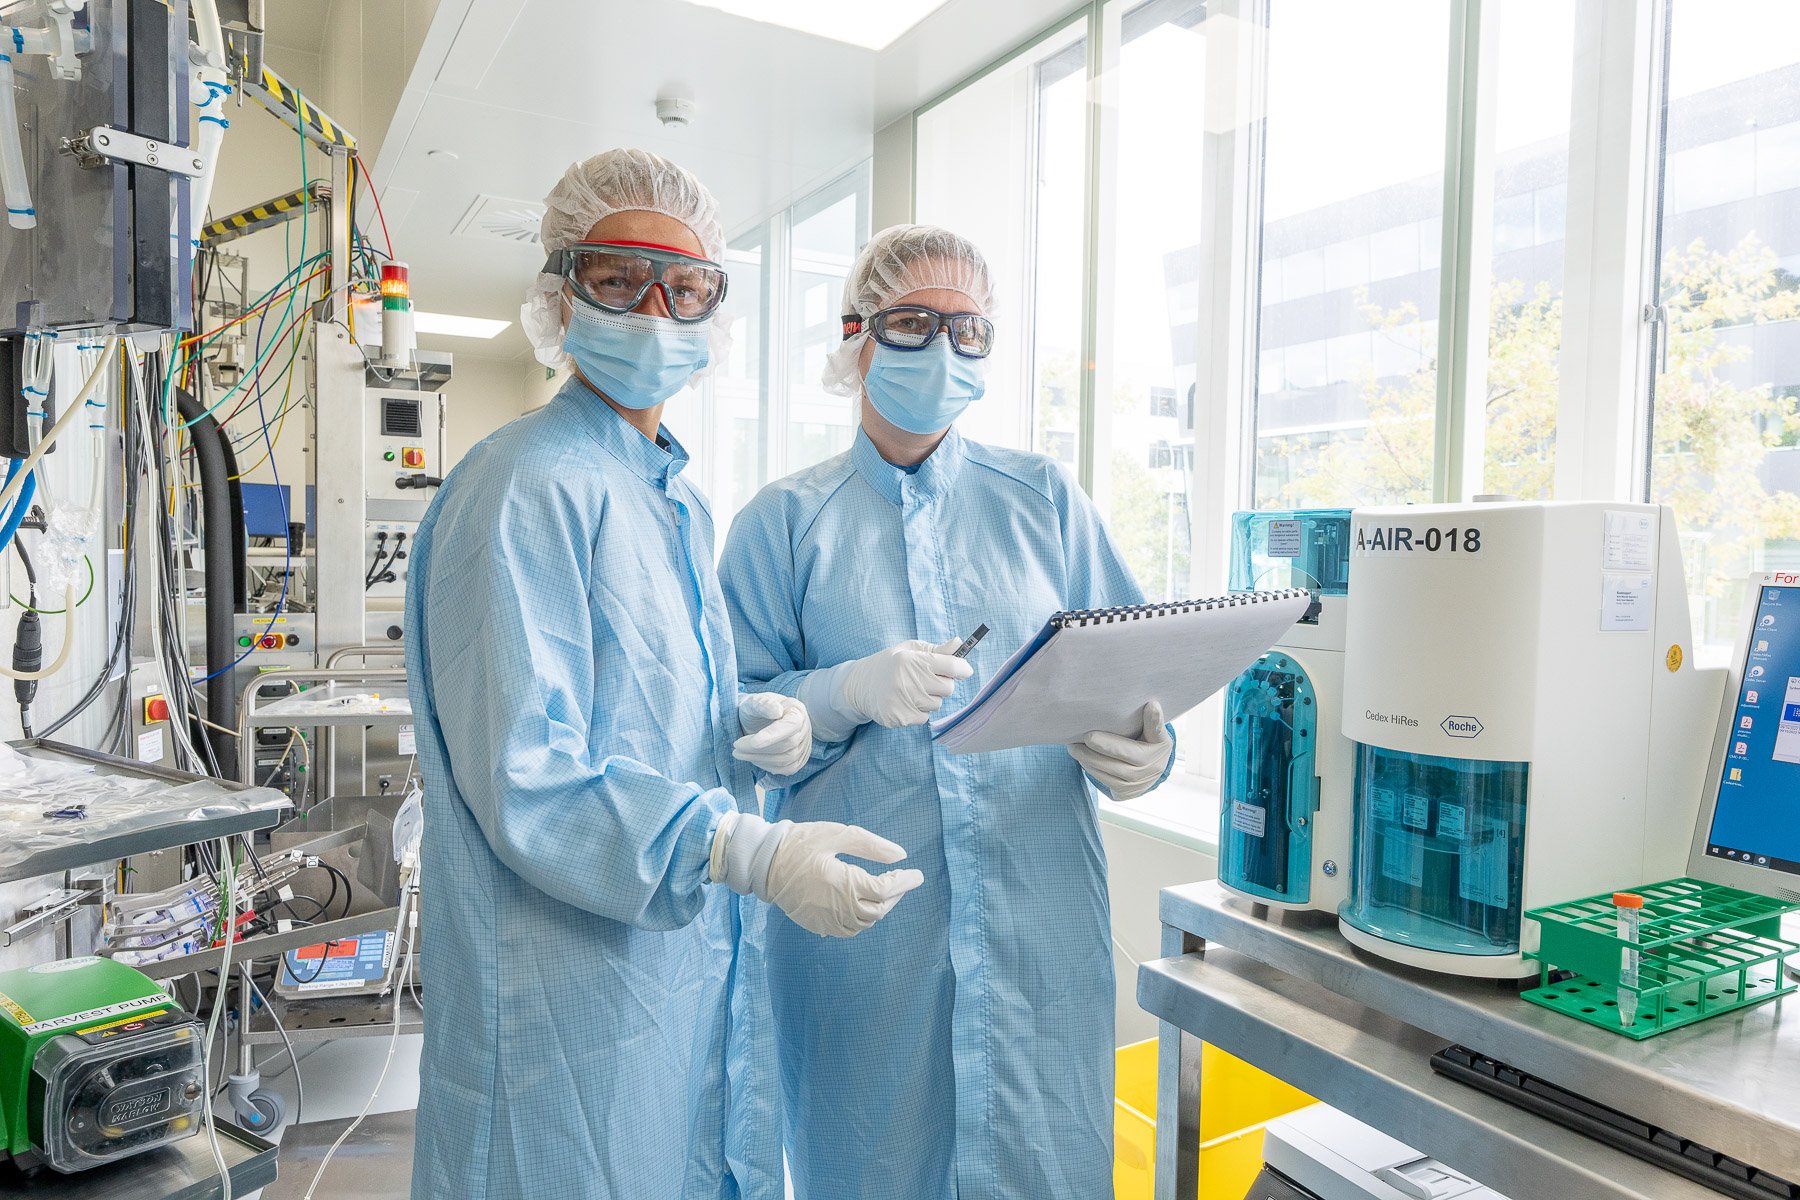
[(871, 26), (454, 326)]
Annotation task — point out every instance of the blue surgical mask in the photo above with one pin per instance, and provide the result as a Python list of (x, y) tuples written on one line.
[(923, 391), (638, 361)]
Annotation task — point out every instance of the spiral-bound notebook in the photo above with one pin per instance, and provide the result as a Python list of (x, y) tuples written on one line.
[(1097, 669)]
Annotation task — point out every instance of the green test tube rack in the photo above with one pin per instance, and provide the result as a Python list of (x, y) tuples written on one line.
[(1703, 950)]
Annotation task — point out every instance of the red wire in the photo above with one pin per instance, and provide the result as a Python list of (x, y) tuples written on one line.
[(376, 193)]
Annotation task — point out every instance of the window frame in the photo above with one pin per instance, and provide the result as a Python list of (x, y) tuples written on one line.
[(1610, 265)]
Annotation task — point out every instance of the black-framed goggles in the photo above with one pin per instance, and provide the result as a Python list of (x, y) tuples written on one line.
[(616, 276), (913, 326)]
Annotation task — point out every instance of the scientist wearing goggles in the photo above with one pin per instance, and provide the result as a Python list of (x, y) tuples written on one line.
[(964, 1048), (590, 819)]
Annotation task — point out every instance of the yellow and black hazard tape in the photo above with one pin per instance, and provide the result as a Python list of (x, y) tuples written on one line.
[(261, 216), (284, 100)]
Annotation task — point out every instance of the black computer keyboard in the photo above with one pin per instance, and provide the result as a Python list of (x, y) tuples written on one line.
[(1620, 1130)]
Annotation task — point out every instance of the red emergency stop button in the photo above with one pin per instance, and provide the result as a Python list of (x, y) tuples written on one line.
[(155, 709), (412, 457)]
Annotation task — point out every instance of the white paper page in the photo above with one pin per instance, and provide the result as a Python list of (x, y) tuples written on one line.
[(1100, 676)]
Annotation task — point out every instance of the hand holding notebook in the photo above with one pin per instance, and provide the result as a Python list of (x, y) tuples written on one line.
[(1096, 669)]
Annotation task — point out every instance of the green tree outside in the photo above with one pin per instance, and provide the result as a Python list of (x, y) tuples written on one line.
[(1710, 435)]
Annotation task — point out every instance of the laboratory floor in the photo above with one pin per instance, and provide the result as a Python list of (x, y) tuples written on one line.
[(375, 1164)]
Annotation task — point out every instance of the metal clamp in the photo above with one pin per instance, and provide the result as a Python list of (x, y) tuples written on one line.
[(52, 908), (103, 144)]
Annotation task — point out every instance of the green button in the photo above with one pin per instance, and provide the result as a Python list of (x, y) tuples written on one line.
[(243, 641), (388, 457)]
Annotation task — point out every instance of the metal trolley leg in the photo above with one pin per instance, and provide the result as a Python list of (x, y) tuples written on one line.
[(1177, 1093)]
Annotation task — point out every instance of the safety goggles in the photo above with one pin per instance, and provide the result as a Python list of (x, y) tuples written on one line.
[(616, 276), (912, 326)]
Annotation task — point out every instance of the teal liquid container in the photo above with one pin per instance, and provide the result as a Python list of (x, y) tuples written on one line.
[(1437, 852), (1308, 547), (1271, 789)]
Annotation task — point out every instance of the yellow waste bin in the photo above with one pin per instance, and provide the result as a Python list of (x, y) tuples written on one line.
[(1236, 1101)]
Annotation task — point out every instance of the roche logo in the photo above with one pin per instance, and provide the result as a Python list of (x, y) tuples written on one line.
[(1462, 727)]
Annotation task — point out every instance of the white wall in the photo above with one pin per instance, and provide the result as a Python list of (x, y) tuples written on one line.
[(484, 394), (891, 202), (1141, 866)]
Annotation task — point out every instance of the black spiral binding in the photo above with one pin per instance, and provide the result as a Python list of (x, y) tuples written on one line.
[(1171, 608)]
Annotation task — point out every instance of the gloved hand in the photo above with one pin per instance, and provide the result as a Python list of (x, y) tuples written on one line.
[(796, 868), (1127, 767), (902, 685), (777, 733)]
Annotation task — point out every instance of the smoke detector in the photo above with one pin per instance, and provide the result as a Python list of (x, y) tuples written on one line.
[(676, 112)]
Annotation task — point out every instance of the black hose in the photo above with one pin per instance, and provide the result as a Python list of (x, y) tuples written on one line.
[(210, 452), (240, 540)]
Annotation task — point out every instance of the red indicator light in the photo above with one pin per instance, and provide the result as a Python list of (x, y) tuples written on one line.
[(394, 280)]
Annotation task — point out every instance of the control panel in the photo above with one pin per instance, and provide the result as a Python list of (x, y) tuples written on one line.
[(387, 549), (405, 437), (261, 636)]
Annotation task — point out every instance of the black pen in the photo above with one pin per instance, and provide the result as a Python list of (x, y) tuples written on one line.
[(969, 642)]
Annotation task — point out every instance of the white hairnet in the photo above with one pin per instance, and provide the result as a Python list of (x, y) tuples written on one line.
[(898, 260), (610, 182)]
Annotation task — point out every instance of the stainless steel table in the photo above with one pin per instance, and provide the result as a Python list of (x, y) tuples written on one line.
[(185, 1170), (1288, 994)]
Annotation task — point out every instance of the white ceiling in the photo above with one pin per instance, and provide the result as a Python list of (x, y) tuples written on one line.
[(518, 89)]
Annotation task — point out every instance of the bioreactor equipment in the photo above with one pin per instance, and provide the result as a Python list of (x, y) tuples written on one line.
[(1284, 812), (1528, 722)]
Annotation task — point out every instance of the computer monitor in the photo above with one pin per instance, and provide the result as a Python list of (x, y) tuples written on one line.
[(1749, 831), (267, 510)]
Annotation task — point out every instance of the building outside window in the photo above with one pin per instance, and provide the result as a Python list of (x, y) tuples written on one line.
[(1724, 428)]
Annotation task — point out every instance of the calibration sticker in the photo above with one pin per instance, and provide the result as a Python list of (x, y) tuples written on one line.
[(13, 1010)]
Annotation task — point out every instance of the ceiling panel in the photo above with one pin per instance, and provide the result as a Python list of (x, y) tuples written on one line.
[(779, 111)]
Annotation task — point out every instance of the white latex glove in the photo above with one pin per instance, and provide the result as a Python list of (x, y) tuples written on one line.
[(796, 868), (777, 733), (1127, 767), (902, 685)]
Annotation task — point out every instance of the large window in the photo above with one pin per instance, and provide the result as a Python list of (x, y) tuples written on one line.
[(828, 228), (1298, 253), (1003, 162), (766, 415), (731, 459), (1724, 443), (1352, 237), (1534, 77), (1149, 290)]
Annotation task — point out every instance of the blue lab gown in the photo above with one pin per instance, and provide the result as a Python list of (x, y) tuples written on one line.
[(963, 1047), (575, 691)]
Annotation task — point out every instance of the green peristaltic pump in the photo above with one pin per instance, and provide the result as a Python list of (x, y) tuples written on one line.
[(97, 1063)]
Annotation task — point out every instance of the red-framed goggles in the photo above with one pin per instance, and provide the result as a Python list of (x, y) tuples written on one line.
[(616, 276), (913, 326)]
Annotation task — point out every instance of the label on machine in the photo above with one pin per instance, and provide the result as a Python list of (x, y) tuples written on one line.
[(1403, 858), (1418, 810), (1453, 820), (1249, 818), (1626, 602), (1285, 539), (1485, 877), (1630, 541)]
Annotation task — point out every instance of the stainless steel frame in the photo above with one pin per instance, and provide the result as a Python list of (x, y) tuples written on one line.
[(1293, 998)]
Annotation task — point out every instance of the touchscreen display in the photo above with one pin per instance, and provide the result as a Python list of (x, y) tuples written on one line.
[(1757, 818)]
